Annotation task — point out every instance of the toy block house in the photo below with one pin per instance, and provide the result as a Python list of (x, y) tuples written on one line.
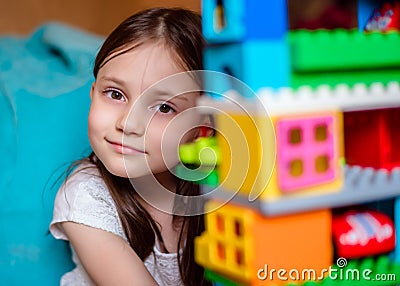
[(302, 115)]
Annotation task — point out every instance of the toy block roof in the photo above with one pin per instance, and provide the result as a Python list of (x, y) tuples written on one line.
[(307, 99)]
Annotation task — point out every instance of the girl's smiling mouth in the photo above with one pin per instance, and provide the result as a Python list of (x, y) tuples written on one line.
[(124, 149)]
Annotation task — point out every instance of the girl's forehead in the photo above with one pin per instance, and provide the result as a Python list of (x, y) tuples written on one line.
[(147, 63), (138, 48), (149, 67)]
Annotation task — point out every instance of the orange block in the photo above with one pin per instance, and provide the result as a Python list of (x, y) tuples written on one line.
[(300, 244)]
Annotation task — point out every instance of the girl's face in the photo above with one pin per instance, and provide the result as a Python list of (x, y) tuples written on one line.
[(138, 115)]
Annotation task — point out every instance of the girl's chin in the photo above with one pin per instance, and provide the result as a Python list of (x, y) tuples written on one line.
[(131, 172)]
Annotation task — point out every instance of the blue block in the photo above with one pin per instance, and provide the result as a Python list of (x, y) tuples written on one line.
[(365, 9), (397, 228), (244, 20), (256, 63)]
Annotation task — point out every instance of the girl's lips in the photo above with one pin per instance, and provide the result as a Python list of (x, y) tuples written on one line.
[(123, 149)]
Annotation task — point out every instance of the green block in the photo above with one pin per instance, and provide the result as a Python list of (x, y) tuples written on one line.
[(205, 175), (340, 56), (381, 266), (338, 50), (220, 280), (204, 151), (349, 77)]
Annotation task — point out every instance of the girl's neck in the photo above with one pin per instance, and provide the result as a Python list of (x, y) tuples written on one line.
[(156, 191), (158, 202)]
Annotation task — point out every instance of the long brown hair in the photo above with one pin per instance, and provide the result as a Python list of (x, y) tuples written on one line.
[(180, 30)]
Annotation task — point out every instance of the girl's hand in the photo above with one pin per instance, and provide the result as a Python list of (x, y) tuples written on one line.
[(106, 257)]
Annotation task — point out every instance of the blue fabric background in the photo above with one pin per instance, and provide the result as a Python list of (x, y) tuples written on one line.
[(45, 81)]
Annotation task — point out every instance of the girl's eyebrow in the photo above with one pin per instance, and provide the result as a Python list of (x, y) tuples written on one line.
[(113, 79), (167, 93)]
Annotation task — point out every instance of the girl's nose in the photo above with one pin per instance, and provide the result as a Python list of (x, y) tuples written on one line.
[(131, 122)]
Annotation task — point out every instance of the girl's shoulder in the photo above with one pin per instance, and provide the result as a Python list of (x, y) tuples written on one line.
[(84, 198), (84, 179)]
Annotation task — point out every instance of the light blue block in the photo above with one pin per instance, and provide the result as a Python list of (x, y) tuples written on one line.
[(234, 15), (245, 20), (397, 228), (256, 63)]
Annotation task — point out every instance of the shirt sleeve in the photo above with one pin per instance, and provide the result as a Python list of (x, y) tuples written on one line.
[(84, 198)]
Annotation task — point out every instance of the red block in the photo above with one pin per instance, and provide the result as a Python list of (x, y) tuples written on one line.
[(372, 138), (362, 233)]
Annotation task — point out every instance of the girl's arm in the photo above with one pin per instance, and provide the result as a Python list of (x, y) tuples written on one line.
[(106, 257)]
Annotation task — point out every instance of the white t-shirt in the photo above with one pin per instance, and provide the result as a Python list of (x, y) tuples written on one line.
[(84, 198)]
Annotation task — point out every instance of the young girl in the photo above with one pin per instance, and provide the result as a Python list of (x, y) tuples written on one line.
[(117, 237)]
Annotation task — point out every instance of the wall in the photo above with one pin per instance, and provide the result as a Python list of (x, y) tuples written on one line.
[(97, 16)]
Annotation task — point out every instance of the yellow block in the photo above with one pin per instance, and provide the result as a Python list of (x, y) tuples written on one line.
[(247, 145), (226, 247)]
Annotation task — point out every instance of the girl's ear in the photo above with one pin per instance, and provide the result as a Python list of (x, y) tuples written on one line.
[(92, 91)]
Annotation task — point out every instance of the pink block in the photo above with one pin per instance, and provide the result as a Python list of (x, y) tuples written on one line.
[(305, 152)]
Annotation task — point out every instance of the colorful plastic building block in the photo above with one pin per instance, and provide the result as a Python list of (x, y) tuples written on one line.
[(361, 233), (258, 63), (397, 228), (385, 18), (204, 151), (276, 208), (365, 10), (201, 175), (341, 97), (379, 271), (317, 172), (380, 129), (247, 145), (307, 151), (338, 50), (227, 21), (218, 280), (343, 57), (238, 242), (370, 271), (361, 185)]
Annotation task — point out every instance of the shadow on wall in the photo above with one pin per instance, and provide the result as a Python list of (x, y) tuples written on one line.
[(45, 81)]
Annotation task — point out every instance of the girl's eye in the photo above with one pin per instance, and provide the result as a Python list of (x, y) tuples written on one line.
[(115, 94), (165, 108)]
